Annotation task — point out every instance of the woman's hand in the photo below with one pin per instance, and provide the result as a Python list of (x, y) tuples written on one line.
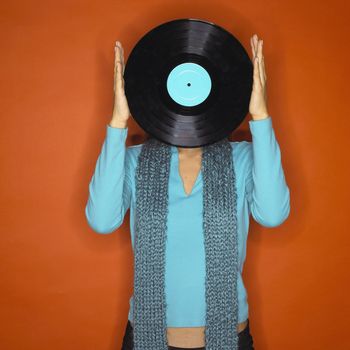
[(121, 110), (258, 99)]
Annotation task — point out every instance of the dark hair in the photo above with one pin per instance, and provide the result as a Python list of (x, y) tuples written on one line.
[(147, 136)]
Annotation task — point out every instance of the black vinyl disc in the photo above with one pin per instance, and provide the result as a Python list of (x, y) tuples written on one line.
[(188, 82)]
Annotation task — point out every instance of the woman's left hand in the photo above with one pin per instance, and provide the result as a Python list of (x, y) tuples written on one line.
[(258, 99)]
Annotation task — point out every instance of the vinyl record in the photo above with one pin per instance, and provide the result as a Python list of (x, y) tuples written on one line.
[(188, 82)]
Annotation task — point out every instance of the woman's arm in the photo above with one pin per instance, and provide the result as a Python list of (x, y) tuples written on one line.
[(110, 186), (266, 189)]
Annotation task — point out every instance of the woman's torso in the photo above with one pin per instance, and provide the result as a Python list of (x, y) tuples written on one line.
[(191, 337), (261, 191)]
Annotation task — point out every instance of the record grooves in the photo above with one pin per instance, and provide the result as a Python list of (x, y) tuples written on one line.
[(188, 82)]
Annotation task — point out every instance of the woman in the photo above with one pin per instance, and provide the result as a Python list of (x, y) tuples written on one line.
[(116, 186)]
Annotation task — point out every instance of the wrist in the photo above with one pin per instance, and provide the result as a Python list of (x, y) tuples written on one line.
[(260, 117), (115, 123)]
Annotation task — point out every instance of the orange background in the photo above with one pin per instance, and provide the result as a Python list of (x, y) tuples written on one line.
[(65, 287)]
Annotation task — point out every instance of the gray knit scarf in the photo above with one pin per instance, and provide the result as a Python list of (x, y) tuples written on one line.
[(220, 239)]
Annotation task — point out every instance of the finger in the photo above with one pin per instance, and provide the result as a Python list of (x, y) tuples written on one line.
[(119, 57), (121, 64), (121, 50), (121, 54), (121, 78), (115, 73), (252, 47), (121, 75), (252, 43), (118, 78), (116, 56), (255, 42), (262, 62), (115, 69), (263, 67), (261, 71), (123, 59), (256, 73), (260, 48)]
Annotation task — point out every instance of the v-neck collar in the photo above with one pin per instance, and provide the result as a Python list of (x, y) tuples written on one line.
[(175, 154)]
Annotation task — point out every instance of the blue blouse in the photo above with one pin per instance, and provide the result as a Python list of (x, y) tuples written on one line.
[(261, 191)]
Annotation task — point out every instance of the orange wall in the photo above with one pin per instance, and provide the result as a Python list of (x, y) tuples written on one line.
[(64, 286)]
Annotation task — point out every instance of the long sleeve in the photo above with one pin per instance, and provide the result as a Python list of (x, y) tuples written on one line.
[(266, 189), (109, 188)]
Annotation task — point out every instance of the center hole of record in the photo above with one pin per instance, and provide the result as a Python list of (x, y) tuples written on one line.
[(189, 74)]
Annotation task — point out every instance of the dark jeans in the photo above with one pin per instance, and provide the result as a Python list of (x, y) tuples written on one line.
[(245, 340)]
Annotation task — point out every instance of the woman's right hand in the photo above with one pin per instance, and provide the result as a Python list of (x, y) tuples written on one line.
[(121, 112)]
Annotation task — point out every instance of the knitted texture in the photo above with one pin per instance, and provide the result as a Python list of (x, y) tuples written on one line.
[(220, 240)]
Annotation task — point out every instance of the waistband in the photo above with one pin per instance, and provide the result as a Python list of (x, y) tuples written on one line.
[(245, 330)]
